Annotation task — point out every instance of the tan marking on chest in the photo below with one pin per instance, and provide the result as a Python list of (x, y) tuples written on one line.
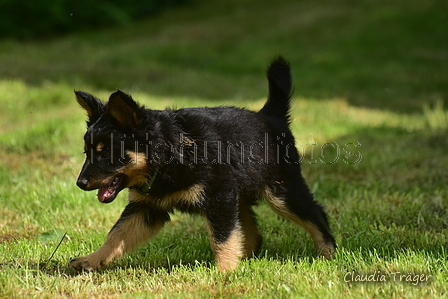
[(191, 196)]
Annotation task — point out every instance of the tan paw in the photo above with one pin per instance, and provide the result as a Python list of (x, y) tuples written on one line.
[(87, 263)]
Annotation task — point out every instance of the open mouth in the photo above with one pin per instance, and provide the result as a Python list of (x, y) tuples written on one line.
[(108, 192)]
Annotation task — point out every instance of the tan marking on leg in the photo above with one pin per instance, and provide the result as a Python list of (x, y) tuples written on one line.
[(278, 205), (252, 236), (130, 233), (228, 253)]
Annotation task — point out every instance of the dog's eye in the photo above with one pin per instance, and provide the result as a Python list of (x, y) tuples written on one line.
[(105, 154)]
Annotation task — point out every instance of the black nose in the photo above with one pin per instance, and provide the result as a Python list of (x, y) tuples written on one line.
[(82, 183)]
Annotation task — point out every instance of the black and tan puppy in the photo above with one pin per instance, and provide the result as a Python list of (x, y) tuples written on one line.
[(216, 162)]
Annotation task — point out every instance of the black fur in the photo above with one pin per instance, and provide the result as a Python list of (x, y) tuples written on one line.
[(217, 162)]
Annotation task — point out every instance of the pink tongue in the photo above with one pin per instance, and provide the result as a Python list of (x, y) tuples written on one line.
[(103, 193)]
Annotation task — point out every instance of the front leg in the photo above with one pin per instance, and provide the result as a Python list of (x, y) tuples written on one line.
[(138, 223), (228, 245), (227, 238)]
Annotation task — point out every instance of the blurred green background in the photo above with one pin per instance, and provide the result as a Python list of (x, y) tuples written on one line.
[(379, 54), (45, 18)]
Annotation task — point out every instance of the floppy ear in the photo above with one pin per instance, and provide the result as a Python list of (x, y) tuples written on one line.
[(123, 109), (93, 106)]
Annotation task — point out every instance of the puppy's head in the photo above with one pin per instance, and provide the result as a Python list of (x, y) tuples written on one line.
[(113, 161)]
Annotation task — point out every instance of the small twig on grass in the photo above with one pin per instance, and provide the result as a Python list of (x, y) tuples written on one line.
[(56, 249)]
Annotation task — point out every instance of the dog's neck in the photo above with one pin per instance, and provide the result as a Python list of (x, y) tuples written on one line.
[(144, 190)]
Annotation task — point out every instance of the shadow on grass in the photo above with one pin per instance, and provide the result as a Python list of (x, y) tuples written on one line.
[(394, 199)]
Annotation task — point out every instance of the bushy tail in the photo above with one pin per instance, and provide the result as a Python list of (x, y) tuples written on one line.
[(280, 90)]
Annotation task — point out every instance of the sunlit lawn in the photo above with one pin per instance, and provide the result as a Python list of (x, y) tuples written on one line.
[(368, 116)]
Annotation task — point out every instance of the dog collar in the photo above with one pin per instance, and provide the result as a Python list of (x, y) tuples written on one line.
[(145, 189)]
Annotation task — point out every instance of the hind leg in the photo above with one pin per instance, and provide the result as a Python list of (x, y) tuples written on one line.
[(304, 211)]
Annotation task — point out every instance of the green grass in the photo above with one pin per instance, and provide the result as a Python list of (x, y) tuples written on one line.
[(367, 73)]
